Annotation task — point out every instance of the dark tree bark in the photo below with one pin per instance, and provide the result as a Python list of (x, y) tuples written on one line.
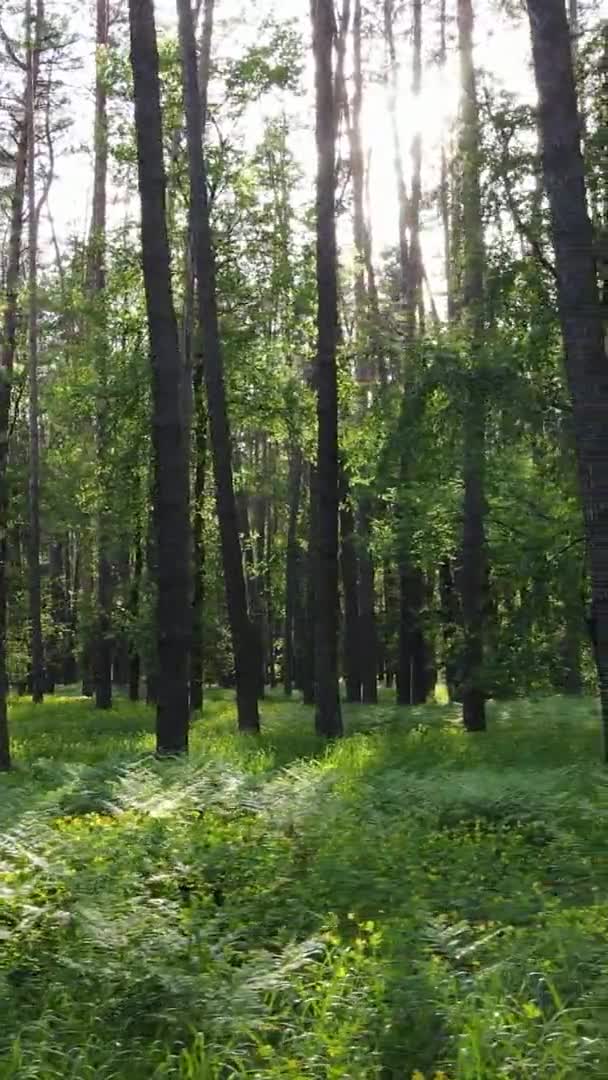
[(307, 667), (9, 341), (579, 306), (350, 591), (328, 717), (103, 645), (134, 598), (243, 638), (368, 632), (291, 568), (34, 26), (171, 509), (198, 541), (72, 588), (474, 552)]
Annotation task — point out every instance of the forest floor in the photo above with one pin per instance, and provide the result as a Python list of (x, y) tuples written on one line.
[(411, 901)]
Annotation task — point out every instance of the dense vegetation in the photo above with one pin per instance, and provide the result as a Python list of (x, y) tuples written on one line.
[(404, 903), (303, 436)]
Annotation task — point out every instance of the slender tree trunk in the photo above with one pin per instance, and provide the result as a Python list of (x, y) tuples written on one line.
[(474, 553), (368, 632), (328, 718), (392, 85), (198, 595), (72, 587), (245, 652), (97, 283), (7, 356), (350, 588), (35, 588), (200, 423), (415, 296), (308, 675), (579, 306), (444, 183), (291, 580), (134, 598), (171, 510)]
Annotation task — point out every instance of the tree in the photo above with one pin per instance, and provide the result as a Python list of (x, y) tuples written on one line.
[(9, 343), (243, 639), (170, 494), (474, 554), (96, 273), (34, 32), (328, 717), (579, 305)]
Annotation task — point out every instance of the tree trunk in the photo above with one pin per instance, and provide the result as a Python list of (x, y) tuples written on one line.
[(198, 540), (350, 589), (328, 717), (35, 588), (579, 306), (245, 652), (291, 568), (9, 342), (310, 603), (368, 633), (474, 554), (392, 86), (97, 282), (134, 655), (171, 510)]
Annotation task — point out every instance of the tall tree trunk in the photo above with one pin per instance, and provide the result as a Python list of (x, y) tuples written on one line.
[(97, 284), (444, 182), (9, 341), (579, 306), (243, 642), (350, 588), (35, 588), (55, 648), (308, 664), (368, 631), (200, 422), (291, 568), (71, 587), (134, 598), (415, 296), (198, 540), (171, 509), (328, 717), (474, 554), (392, 85)]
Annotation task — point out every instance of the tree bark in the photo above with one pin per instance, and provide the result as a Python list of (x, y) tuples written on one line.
[(171, 509), (9, 342), (328, 717), (103, 645), (350, 590), (578, 297), (243, 642), (134, 598), (34, 579), (291, 567), (198, 540), (474, 553)]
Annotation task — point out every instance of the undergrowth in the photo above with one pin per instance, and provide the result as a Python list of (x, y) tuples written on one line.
[(411, 901)]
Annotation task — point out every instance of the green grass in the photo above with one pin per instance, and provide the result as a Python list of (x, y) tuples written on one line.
[(409, 901)]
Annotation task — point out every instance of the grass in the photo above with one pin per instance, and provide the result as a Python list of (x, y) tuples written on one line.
[(411, 901)]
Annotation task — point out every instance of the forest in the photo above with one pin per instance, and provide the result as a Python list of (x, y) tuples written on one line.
[(303, 539)]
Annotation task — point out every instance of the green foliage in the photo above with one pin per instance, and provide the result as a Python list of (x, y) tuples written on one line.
[(411, 902)]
